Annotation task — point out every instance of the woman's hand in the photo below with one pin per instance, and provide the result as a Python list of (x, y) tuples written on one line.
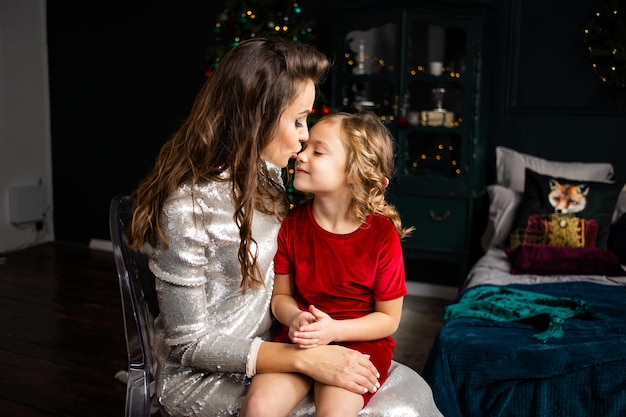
[(341, 367), (329, 364)]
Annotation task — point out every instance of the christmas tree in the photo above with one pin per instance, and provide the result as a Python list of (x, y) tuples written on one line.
[(243, 20)]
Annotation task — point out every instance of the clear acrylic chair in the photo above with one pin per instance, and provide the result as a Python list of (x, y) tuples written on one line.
[(139, 307)]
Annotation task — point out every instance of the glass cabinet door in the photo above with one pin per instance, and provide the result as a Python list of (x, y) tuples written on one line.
[(370, 59), (434, 100)]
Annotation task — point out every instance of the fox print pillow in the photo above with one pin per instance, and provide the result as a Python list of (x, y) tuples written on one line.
[(545, 195)]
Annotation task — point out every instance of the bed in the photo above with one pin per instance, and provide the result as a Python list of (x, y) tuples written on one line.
[(538, 328)]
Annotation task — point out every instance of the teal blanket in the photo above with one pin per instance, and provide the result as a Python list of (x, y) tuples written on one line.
[(491, 302), (494, 367)]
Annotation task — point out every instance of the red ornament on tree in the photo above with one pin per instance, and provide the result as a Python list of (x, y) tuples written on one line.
[(403, 122), (325, 110)]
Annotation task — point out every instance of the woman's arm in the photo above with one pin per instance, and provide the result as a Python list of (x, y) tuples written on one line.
[(330, 364)]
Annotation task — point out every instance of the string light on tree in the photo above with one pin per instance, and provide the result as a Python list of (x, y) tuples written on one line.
[(242, 20), (605, 38)]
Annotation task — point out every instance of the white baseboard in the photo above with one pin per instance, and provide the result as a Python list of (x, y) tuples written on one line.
[(100, 244), (422, 289)]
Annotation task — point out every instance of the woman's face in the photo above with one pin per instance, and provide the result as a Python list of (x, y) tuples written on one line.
[(292, 128)]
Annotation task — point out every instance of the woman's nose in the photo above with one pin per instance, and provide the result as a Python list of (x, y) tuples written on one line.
[(304, 134)]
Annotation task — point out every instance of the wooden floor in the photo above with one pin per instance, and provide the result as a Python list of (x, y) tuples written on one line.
[(62, 334)]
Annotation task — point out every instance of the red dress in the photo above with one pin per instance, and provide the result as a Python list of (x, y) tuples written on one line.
[(342, 274)]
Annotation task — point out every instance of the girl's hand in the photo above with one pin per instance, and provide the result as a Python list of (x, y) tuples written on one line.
[(319, 332), (300, 320)]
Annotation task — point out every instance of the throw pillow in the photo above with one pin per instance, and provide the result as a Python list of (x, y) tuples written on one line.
[(511, 165), (555, 260), (617, 239), (503, 203), (620, 206), (545, 194)]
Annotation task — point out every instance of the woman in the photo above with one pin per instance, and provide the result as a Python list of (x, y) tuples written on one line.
[(211, 209)]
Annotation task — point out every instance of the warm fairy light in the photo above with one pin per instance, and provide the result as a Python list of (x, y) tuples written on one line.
[(440, 146), (438, 157), (423, 156)]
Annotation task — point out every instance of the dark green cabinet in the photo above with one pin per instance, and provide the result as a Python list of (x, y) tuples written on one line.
[(422, 70)]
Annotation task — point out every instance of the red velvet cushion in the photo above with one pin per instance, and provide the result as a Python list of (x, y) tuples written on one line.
[(557, 260)]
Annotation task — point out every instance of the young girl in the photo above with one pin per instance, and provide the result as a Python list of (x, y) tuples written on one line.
[(339, 266)]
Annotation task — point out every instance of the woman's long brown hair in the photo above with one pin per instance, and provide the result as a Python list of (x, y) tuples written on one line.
[(234, 117)]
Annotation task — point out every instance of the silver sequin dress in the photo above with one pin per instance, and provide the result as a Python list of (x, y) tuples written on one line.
[(206, 326)]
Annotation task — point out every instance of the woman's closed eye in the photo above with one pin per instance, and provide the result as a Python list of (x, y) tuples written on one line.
[(299, 123)]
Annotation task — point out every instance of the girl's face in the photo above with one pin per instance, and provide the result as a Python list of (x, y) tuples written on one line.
[(292, 128), (321, 166)]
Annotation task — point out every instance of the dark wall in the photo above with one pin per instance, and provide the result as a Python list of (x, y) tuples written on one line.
[(124, 75), (122, 78), (547, 99)]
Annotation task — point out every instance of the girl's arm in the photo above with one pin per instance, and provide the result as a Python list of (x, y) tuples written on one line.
[(383, 322), (284, 306)]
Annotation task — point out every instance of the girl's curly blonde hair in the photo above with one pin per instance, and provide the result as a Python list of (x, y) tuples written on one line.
[(370, 150)]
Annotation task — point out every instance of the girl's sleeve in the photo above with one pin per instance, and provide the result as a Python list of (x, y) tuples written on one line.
[(390, 280)]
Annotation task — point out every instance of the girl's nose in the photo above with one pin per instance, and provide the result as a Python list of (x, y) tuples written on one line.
[(301, 157)]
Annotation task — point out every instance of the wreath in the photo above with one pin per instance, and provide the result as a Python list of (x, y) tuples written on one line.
[(605, 39)]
